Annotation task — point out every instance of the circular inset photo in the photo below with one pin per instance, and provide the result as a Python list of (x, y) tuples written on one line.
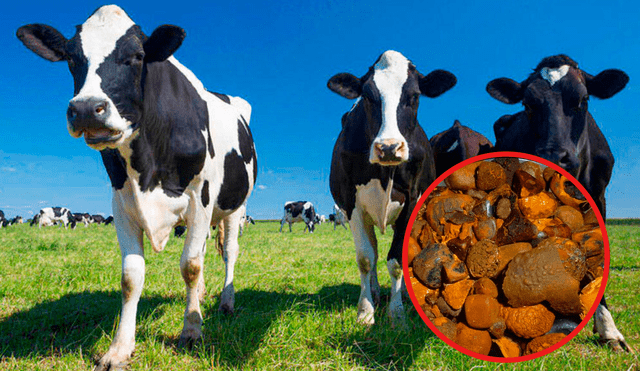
[(506, 257)]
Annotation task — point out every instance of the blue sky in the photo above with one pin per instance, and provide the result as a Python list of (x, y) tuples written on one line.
[(279, 56)]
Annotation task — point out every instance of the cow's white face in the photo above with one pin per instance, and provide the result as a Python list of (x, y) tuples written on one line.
[(94, 63), (108, 58), (387, 106), (391, 73)]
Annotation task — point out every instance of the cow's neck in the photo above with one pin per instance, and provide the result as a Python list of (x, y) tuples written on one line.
[(151, 209)]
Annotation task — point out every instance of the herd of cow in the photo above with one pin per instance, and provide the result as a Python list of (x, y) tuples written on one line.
[(178, 153), (57, 216)]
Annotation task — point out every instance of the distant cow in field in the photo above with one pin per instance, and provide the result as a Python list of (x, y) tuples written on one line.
[(381, 164), (173, 151), (455, 145), (84, 218), (299, 211), (3, 222), (245, 220), (54, 215), (338, 218), (109, 220), (557, 126), (98, 219), (17, 220)]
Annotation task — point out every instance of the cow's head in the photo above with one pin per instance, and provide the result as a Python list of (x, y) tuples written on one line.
[(107, 58), (389, 94), (555, 97)]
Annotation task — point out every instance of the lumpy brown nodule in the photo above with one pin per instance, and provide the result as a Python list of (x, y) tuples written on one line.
[(501, 252)]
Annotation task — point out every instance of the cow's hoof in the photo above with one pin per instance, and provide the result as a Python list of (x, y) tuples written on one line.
[(226, 309), (619, 346), (189, 342), (366, 318), (112, 362)]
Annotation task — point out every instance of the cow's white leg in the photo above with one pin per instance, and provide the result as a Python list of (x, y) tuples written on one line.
[(605, 327), (132, 281), (396, 309), (366, 255), (192, 267), (230, 256)]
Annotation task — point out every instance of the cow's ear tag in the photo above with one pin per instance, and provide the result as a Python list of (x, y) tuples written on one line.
[(163, 42)]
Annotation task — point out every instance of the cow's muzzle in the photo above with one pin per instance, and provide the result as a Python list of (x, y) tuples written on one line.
[(564, 158), (389, 152), (89, 117)]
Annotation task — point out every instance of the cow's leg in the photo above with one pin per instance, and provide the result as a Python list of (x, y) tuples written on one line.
[(394, 265), (192, 267), (290, 226), (132, 280), (231, 249), (604, 325), (281, 224), (366, 256)]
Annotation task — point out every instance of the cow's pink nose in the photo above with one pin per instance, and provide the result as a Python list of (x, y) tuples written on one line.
[(389, 151)]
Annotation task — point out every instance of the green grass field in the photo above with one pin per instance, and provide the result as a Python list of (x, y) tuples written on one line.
[(296, 300)]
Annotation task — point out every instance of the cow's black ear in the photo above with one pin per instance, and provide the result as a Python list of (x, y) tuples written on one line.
[(163, 42), (607, 83), (505, 90), (436, 83), (345, 84), (43, 40)]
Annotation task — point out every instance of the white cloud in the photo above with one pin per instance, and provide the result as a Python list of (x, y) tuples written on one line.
[(7, 169), (262, 187)]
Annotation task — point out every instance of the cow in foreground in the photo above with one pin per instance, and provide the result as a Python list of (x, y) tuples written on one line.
[(457, 144), (381, 164), (299, 211), (174, 152), (557, 126)]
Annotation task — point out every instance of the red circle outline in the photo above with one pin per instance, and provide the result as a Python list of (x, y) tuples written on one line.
[(405, 267)]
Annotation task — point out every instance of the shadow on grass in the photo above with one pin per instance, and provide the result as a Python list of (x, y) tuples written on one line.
[(75, 321), (78, 321)]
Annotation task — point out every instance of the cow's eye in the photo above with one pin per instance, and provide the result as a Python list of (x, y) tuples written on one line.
[(584, 101), (135, 59), (413, 100)]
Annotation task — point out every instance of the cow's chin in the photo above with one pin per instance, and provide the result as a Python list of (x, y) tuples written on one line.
[(103, 138)]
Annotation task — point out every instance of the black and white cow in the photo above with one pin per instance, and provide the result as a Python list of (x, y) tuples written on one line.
[(556, 125), (299, 211), (98, 219), (381, 164), (17, 220), (173, 151), (84, 218), (3, 221), (109, 220), (457, 144), (245, 220), (338, 218), (55, 215)]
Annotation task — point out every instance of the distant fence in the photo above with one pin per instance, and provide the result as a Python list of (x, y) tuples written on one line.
[(623, 222)]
